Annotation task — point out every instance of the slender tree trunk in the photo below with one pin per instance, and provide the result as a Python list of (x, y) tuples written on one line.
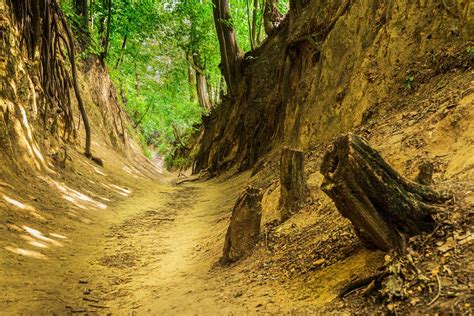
[(259, 38), (82, 9), (231, 55), (191, 77), (249, 22), (122, 50), (201, 84), (253, 34), (203, 95), (105, 34), (143, 115)]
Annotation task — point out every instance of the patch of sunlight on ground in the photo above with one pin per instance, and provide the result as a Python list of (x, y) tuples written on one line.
[(34, 238), (97, 196), (23, 206), (131, 171), (26, 252), (57, 236), (117, 189), (33, 241), (75, 197), (99, 172), (14, 202), (124, 190), (28, 142), (39, 235)]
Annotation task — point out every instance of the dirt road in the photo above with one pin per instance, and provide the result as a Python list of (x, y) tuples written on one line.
[(158, 258), (151, 253)]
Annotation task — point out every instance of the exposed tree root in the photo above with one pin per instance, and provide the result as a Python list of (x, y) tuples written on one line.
[(354, 285)]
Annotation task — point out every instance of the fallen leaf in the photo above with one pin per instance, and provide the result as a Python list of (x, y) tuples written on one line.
[(448, 245)]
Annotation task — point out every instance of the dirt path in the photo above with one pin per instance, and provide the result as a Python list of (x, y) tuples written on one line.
[(158, 257)]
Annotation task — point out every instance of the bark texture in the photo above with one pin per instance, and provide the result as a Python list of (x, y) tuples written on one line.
[(271, 16), (293, 192), (231, 55), (201, 83), (381, 204), (244, 229)]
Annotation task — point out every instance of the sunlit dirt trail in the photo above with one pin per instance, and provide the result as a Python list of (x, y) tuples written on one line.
[(153, 253), (156, 251), (157, 258)]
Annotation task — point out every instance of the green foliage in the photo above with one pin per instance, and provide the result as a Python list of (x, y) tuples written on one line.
[(470, 50), (149, 48)]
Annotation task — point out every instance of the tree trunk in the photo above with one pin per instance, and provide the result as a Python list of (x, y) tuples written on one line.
[(82, 10), (382, 205), (231, 55), (244, 228), (191, 77), (271, 16), (201, 83), (253, 33), (293, 188), (105, 32), (122, 51), (250, 24)]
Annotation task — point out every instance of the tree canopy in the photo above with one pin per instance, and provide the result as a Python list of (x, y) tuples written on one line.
[(164, 56)]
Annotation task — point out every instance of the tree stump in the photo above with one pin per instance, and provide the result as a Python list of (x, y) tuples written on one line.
[(382, 205), (244, 229), (293, 189)]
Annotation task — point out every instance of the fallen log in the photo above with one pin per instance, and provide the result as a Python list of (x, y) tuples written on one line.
[(383, 206), (244, 228), (293, 189)]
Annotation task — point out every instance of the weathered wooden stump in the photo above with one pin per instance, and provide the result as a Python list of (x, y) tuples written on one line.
[(293, 188), (244, 229), (382, 205)]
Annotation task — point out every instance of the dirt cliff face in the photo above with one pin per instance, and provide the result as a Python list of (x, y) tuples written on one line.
[(28, 141), (328, 68)]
